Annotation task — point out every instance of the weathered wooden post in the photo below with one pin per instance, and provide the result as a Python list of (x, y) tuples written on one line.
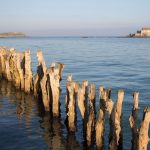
[(3, 52), (69, 81), (28, 73), (99, 128), (60, 68), (14, 70), (140, 137), (143, 131), (55, 87), (45, 98), (21, 68), (8, 75), (91, 117), (135, 100), (40, 81), (82, 99), (83, 105), (71, 92), (71, 107), (41, 70), (41, 66), (92, 96), (36, 79), (133, 121), (115, 123)]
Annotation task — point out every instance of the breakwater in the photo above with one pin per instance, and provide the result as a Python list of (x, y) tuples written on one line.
[(46, 86)]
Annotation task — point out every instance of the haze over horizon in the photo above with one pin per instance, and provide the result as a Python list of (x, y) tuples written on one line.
[(74, 18)]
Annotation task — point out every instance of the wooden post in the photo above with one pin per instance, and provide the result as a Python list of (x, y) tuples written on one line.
[(42, 64), (2, 60), (60, 68), (69, 81), (40, 81), (82, 98), (99, 128), (14, 71), (106, 105), (71, 88), (135, 100), (83, 105), (36, 79), (92, 96), (90, 122), (144, 129), (115, 123), (43, 84), (140, 137), (28, 73), (41, 70), (8, 75), (133, 121), (55, 87), (21, 68)]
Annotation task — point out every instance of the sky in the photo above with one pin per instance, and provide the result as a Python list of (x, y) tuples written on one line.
[(74, 17)]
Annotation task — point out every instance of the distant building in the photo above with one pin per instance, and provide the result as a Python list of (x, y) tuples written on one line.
[(145, 32)]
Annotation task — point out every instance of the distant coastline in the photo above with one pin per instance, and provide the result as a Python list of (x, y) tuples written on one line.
[(12, 34)]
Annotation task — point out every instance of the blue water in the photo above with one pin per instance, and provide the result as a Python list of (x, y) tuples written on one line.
[(112, 62)]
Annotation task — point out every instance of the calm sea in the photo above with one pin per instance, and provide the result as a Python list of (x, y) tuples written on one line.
[(117, 63)]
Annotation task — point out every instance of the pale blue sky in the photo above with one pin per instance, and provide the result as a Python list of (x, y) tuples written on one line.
[(74, 17)]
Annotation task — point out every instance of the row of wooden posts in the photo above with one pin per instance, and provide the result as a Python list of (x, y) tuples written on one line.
[(16, 67)]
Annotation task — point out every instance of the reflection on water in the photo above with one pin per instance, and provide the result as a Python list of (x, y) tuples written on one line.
[(22, 119)]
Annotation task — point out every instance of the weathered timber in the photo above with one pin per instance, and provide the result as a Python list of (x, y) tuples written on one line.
[(42, 64), (55, 87), (135, 100), (40, 81), (91, 118), (71, 106), (133, 121), (101, 118), (140, 137), (36, 79), (143, 131), (92, 96), (21, 68), (14, 71), (3, 53), (7, 66), (43, 84), (28, 73), (68, 82), (60, 68), (99, 128), (82, 99), (116, 123)]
